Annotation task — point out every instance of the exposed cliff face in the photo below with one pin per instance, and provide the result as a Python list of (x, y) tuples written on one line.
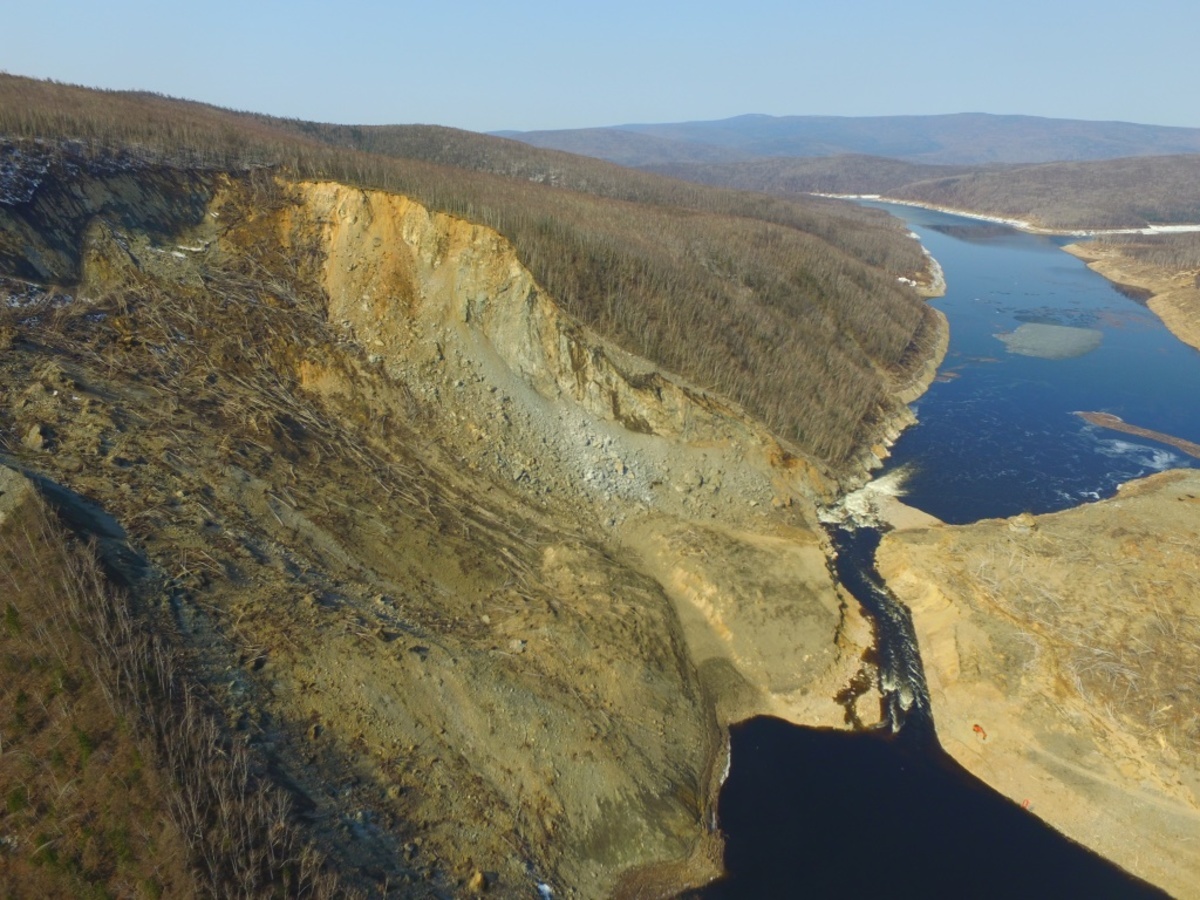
[(1062, 654), (403, 280), (480, 586)]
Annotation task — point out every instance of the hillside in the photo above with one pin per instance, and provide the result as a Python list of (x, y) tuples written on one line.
[(1117, 193), (715, 285), (399, 574), (474, 588), (842, 174), (1073, 641), (625, 148), (959, 139)]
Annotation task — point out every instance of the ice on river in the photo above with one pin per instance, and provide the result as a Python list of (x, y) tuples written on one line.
[(1051, 341)]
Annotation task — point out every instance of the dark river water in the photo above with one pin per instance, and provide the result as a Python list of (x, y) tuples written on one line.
[(997, 436), (816, 813)]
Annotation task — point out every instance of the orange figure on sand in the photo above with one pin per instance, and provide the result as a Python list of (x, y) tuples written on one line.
[(978, 729)]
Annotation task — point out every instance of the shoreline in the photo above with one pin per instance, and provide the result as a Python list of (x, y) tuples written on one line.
[(1116, 423), (1020, 224), (998, 618), (1174, 295), (871, 457)]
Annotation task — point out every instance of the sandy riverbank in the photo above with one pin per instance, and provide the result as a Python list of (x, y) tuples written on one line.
[(1061, 654), (1175, 295)]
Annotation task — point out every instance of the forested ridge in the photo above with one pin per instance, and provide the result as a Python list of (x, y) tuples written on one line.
[(792, 307), (974, 139), (1176, 252), (1119, 193)]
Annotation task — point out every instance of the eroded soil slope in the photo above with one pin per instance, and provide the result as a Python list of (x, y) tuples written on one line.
[(1063, 659), (478, 588)]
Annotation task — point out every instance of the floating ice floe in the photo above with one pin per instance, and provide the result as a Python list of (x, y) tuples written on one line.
[(863, 508), (1051, 341)]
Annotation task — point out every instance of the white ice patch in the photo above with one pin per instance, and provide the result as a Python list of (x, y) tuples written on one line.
[(728, 764), (861, 508), (1051, 341)]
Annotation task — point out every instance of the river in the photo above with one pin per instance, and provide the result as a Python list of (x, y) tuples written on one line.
[(1035, 337)]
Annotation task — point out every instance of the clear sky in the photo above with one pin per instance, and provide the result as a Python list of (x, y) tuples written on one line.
[(530, 64)]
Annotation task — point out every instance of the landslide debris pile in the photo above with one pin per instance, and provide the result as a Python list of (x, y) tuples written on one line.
[(438, 571), (419, 542), (396, 640)]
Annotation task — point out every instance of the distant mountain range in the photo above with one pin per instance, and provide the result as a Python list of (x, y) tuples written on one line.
[(958, 139)]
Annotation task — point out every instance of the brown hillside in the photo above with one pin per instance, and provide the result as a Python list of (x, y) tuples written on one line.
[(792, 308), (473, 588)]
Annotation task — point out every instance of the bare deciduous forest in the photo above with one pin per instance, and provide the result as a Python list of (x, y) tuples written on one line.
[(1117, 193), (791, 307), (1168, 251)]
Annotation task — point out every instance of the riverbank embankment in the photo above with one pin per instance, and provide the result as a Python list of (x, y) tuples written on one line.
[(1061, 654), (1174, 295)]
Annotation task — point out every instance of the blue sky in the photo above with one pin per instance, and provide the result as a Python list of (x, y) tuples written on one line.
[(534, 64)]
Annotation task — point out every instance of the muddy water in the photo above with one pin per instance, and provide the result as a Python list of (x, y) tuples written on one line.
[(1035, 338)]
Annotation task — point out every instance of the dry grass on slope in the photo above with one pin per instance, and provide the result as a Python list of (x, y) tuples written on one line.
[(84, 813), (791, 308), (117, 780)]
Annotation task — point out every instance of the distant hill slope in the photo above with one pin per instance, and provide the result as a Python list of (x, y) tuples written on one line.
[(958, 139), (625, 148), (1114, 193), (845, 174)]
